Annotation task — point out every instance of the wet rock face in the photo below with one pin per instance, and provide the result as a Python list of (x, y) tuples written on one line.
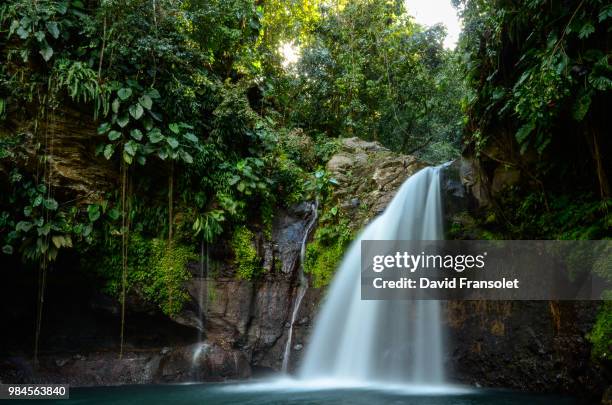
[(535, 346), (252, 317), (71, 135), (196, 362), (201, 361)]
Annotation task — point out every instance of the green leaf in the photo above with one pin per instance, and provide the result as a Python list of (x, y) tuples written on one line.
[(136, 111), (127, 158), (581, 107), (586, 30), (62, 7), (600, 82), (7, 249), (53, 29), (155, 135), (44, 230), (114, 135), (14, 26), (61, 241), (172, 142), (146, 102), (605, 13), (124, 93), (93, 212), (37, 201), (46, 53), (141, 159), (524, 132), (115, 106), (50, 204), (58, 241), (130, 148), (186, 157), (136, 134), (87, 230), (23, 33), (103, 128), (40, 36), (114, 214), (191, 137), (23, 226), (153, 93), (174, 127), (123, 120), (235, 179), (147, 122), (163, 154), (108, 151)]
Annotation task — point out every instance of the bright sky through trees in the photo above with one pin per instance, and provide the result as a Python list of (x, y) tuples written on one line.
[(425, 12), (430, 12)]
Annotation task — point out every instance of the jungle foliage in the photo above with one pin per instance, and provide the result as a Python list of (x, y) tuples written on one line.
[(540, 83)]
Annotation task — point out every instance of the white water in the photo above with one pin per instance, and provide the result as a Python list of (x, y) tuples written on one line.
[(202, 302), (395, 342), (302, 286)]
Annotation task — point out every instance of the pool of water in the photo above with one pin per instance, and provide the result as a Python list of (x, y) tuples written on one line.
[(291, 392)]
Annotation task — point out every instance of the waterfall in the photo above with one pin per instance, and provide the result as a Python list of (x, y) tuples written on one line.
[(391, 341), (202, 302), (202, 286), (302, 286)]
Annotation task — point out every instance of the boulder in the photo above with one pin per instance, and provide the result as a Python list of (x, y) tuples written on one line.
[(368, 176)]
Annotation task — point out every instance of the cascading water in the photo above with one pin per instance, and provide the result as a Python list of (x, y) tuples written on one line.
[(302, 286), (391, 341), (201, 346)]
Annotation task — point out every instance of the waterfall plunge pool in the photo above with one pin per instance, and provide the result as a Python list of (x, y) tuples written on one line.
[(356, 345), (290, 391)]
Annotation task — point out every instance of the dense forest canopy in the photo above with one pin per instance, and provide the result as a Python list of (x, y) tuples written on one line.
[(540, 85), (201, 130)]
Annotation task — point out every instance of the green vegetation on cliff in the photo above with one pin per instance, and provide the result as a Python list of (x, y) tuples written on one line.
[(248, 263)]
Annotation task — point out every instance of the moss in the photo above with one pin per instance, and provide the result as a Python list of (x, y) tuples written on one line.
[(601, 335), (327, 249), (248, 263), (166, 275), (321, 262), (157, 271)]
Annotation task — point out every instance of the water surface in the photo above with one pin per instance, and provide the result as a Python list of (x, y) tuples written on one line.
[(265, 393)]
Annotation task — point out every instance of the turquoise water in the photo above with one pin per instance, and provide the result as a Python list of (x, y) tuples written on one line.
[(255, 394)]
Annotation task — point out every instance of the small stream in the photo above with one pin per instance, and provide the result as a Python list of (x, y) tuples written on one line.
[(302, 285)]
